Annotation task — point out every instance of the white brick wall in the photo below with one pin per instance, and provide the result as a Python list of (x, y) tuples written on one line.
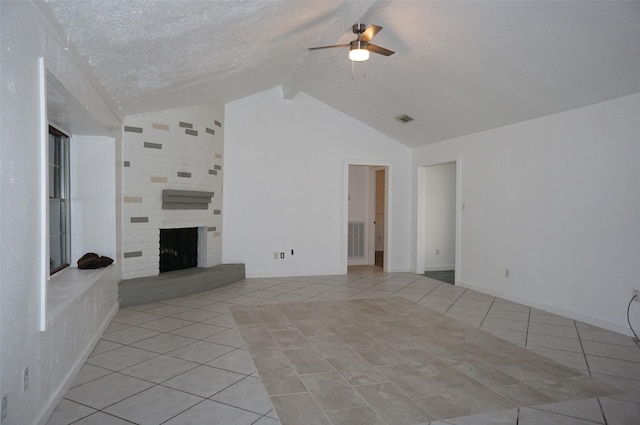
[(149, 170)]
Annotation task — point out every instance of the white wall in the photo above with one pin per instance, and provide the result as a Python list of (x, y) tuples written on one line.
[(286, 185), (440, 216), (51, 355), (93, 196), (359, 192), (555, 200)]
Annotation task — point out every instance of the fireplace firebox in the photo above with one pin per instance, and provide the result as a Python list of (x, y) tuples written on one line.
[(178, 249)]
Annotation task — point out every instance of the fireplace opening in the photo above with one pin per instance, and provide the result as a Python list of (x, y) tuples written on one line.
[(178, 249)]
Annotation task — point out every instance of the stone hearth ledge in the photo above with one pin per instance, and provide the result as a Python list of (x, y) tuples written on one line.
[(177, 283)]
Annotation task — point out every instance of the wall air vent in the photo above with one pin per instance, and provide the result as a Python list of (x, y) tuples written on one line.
[(404, 118)]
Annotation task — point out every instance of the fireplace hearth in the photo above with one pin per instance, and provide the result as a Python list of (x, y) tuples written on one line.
[(178, 249)]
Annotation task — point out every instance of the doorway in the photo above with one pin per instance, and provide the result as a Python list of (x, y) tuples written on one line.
[(438, 224), (379, 177), (367, 212)]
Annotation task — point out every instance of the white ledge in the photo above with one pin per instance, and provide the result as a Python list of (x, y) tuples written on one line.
[(69, 284)]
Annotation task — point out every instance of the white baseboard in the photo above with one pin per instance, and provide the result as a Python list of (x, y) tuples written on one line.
[(319, 273), (399, 270), (444, 268), (295, 273), (594, 321), (358, 262)]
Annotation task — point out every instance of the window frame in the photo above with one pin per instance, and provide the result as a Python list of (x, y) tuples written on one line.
[(58, 173)]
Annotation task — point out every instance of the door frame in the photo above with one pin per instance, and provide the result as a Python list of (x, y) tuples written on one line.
[(387, 210), (371, 227), (421, 203)]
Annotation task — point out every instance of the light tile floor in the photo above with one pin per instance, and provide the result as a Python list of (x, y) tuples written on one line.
[(183, 361)]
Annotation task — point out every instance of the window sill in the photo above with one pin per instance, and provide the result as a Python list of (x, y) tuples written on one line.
[(69, 284)]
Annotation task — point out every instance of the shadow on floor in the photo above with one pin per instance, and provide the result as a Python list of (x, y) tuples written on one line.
[(447, 276)]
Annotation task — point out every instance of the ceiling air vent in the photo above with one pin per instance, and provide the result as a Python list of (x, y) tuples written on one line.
[(404, 118)]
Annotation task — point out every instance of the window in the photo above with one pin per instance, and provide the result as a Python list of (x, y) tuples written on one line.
[(59, 217)]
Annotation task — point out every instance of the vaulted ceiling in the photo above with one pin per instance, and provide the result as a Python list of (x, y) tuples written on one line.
[(460, 66)]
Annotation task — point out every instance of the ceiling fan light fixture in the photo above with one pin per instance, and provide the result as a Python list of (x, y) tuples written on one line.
[(358, 51), (360, 48)]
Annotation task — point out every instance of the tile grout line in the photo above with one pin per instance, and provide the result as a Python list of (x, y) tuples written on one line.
[(456, 300), (181, 412), (262, 417), (487, 313), (584, 355), (104, 413), (567, 415), (604, 416), (238, 407), (526, 335)]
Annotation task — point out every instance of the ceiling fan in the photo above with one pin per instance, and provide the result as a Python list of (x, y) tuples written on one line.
[(360, 47)]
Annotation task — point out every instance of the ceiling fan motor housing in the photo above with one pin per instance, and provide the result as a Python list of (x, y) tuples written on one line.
[(359, 28), (360, 47), (358, 44)]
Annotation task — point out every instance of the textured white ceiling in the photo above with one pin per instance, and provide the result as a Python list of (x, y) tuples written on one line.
[(460, 67)]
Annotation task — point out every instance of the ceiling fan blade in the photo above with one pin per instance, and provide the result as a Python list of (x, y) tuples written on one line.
[(379, 50), (329, 47), (369, 33)]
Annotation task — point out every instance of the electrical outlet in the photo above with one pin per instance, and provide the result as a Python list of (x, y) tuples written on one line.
[(282, 255), (292, 252), (506, 273), (636, 294), (5, 402), (276, 255), (25, 380)]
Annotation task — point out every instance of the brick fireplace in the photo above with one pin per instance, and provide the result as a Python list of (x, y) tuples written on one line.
[(172, 179)]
